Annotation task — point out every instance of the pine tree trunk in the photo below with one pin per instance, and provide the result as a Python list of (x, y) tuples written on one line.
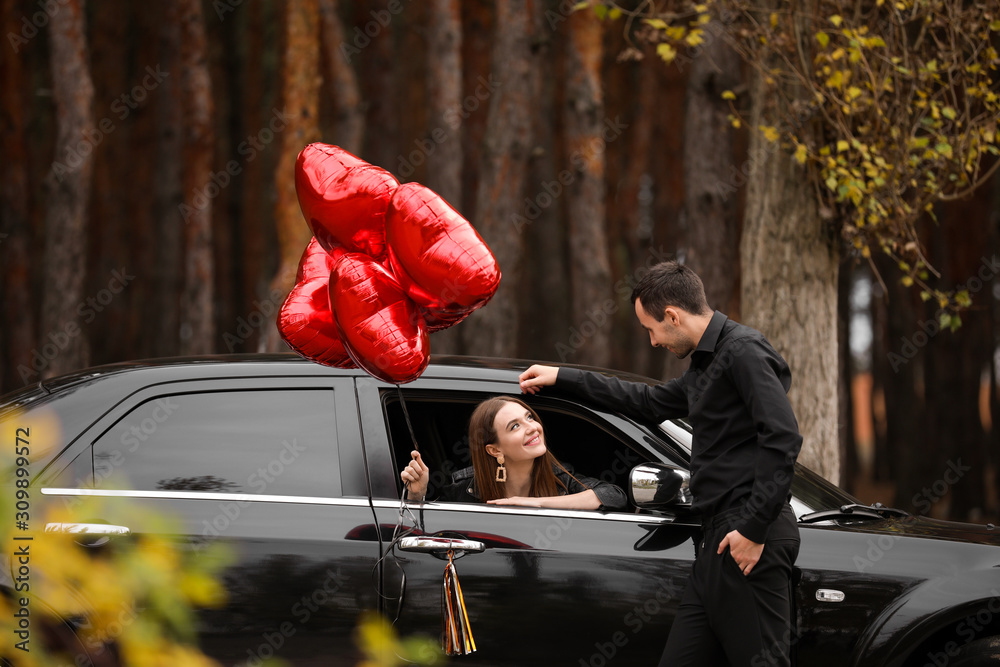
[(197, 320), (17, 336), (493, 330), (789, 286), (168, 193), (376, 63), (68, 197), (546, 315), (710, 212), (587, 135), (444, 93), (300, 107), (349, 132)]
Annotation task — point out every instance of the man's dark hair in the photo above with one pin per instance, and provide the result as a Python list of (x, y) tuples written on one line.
[(671, 284)]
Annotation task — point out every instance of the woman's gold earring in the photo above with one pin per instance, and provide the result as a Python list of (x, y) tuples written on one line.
[(501, 470)]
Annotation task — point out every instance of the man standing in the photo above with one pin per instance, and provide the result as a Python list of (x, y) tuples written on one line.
[(737, 605)]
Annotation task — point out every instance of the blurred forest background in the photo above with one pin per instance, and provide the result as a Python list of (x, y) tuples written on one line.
[(147, 204)]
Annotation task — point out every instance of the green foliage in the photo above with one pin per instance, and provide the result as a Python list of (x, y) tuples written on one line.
[(891, 106)]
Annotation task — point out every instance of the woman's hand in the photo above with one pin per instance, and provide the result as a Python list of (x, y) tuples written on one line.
[(523, 501), (416, 474)]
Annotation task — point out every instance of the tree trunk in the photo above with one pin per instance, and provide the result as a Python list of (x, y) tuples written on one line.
[(546, 315), (300, 103), (349, 130), (493, 330), (629, 189), (110, 226), (168, 194), (444, 92), (69, 196), (709, 217), (17, 336), (789, 286), (477, 32), (587, 135), (377, 63), (197, 321)]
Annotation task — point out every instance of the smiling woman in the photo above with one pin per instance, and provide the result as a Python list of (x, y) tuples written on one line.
[(511, 465)]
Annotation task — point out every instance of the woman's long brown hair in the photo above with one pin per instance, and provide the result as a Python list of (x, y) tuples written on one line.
[(482, 433)]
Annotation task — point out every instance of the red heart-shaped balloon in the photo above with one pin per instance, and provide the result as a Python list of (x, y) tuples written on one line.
[(382, 329), (306, 323), (437, 256), (343, 198), (317, 262)]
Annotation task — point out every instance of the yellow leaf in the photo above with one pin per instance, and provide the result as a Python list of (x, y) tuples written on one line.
[(774, 19), (822, 38), (842, 146), (770, 133), (853, 92), (701, 9), (694, 39), (728, 95), (907, 281), (659, 24), (676, 32), (836, 20), (801, 154), (667, 52)]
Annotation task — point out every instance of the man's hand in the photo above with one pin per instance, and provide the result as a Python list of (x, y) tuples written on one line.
[(745, 552), (536, 377), (416, 474)]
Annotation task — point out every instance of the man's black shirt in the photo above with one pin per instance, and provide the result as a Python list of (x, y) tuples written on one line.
[(734, 394)]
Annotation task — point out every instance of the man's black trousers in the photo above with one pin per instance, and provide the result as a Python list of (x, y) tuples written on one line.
[(726, 617)]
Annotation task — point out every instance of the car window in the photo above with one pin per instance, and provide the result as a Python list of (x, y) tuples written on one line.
[(280, 442), (440, 425)]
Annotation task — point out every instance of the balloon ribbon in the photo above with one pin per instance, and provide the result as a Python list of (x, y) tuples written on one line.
[(456, 633)]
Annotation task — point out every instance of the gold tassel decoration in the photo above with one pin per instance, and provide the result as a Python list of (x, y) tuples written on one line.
[(456, 633)]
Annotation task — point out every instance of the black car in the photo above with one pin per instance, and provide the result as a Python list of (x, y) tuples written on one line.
[(296, 467)]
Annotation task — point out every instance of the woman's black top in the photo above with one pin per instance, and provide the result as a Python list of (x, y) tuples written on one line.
[(462, 488)]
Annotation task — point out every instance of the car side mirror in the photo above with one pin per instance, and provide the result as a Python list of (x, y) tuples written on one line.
[(659, 486)]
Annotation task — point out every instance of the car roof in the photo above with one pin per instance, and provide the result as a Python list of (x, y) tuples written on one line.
[(166, 368)]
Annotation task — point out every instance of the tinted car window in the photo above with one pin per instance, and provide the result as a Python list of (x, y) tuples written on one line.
[(262, 442)]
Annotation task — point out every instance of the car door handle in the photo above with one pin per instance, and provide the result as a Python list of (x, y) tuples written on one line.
[(87, 529), (89, 534), (430, 545)]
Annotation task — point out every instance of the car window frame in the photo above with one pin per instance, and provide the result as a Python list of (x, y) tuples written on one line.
[(348, 430)]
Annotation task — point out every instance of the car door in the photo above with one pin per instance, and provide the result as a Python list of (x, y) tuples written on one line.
[(549, 586), (271, 468)]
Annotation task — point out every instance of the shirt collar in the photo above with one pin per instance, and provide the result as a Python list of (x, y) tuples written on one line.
[(713, 331)]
